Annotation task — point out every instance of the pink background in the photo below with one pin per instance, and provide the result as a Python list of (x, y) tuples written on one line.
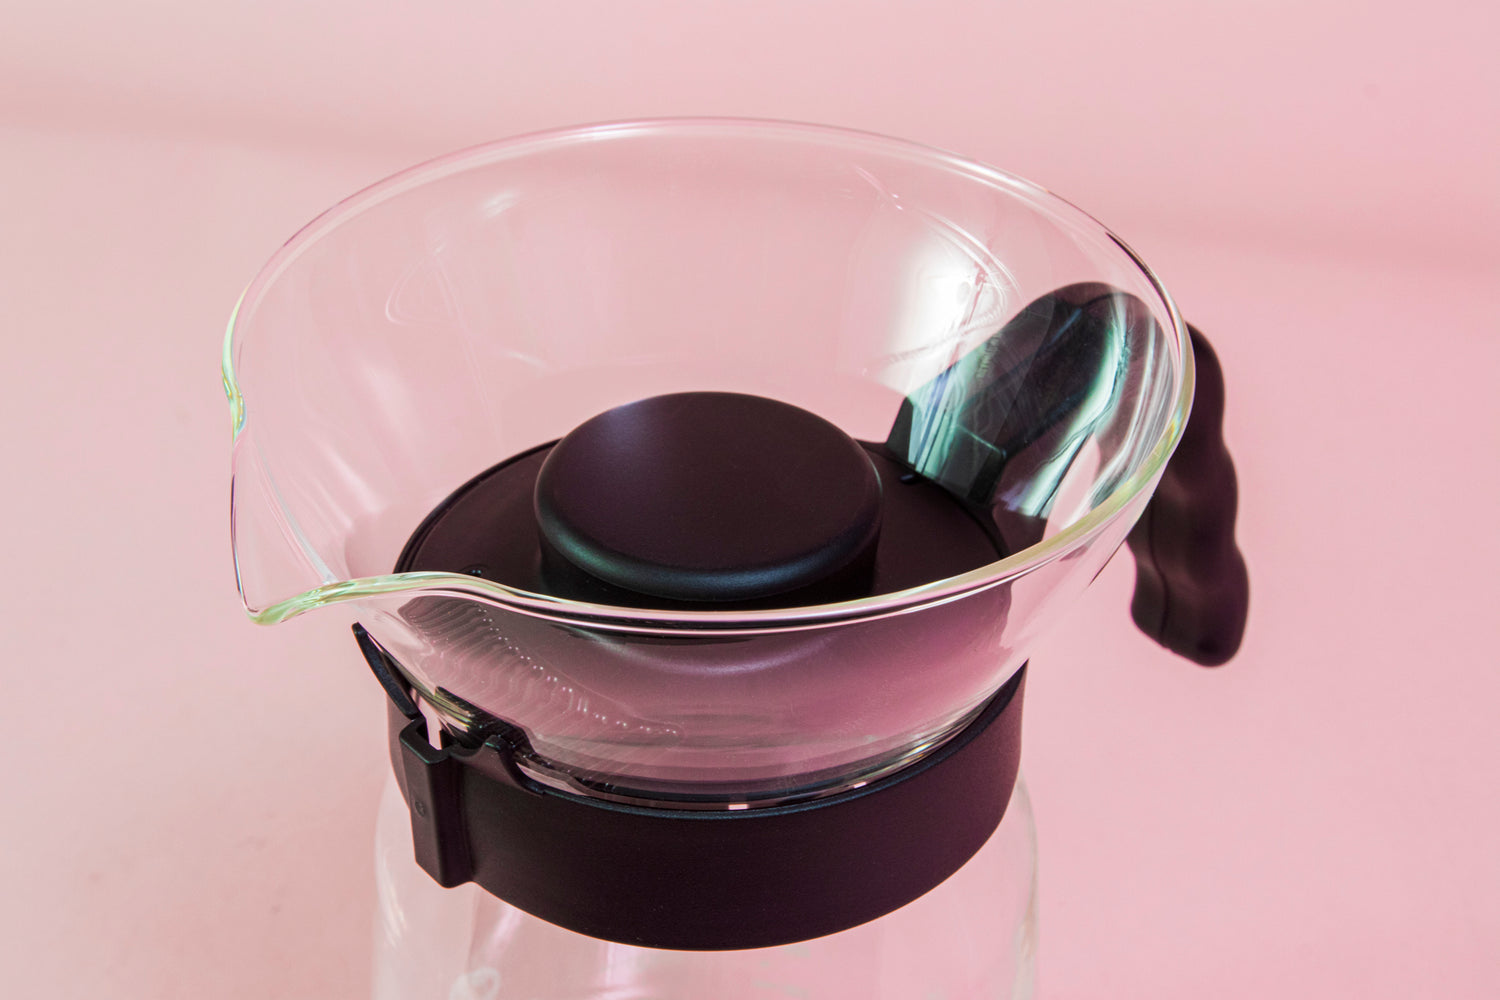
[(189, 800)]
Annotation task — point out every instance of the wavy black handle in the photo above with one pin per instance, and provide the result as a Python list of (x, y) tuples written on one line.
[(1041, 385), (1192, 591)]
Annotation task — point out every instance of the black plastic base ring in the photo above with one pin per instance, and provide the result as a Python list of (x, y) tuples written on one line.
[(705, 880)]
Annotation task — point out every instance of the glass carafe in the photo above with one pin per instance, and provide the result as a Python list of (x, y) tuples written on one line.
[(988, 347)]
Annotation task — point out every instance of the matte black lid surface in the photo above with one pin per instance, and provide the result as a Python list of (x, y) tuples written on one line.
[(709, 496)]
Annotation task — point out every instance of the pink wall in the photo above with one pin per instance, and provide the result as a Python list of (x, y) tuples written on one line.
[(1372, 122)]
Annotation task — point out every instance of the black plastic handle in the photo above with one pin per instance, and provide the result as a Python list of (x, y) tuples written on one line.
[(1192, 591), (1043, 382)]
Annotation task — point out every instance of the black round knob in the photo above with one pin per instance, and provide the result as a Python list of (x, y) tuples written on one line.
[(710, 496)]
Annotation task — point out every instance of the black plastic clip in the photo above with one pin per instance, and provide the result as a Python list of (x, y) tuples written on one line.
[(432, 778)]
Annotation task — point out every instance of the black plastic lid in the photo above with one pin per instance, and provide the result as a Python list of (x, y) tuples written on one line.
[(710, 496), (707, 500)]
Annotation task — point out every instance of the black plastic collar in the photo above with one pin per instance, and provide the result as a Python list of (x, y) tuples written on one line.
[(693, 879)]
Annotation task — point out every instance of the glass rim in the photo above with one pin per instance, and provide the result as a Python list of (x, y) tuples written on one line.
[(648, 620)]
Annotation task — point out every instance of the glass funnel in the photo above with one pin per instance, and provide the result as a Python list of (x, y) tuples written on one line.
[(482, 306)]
